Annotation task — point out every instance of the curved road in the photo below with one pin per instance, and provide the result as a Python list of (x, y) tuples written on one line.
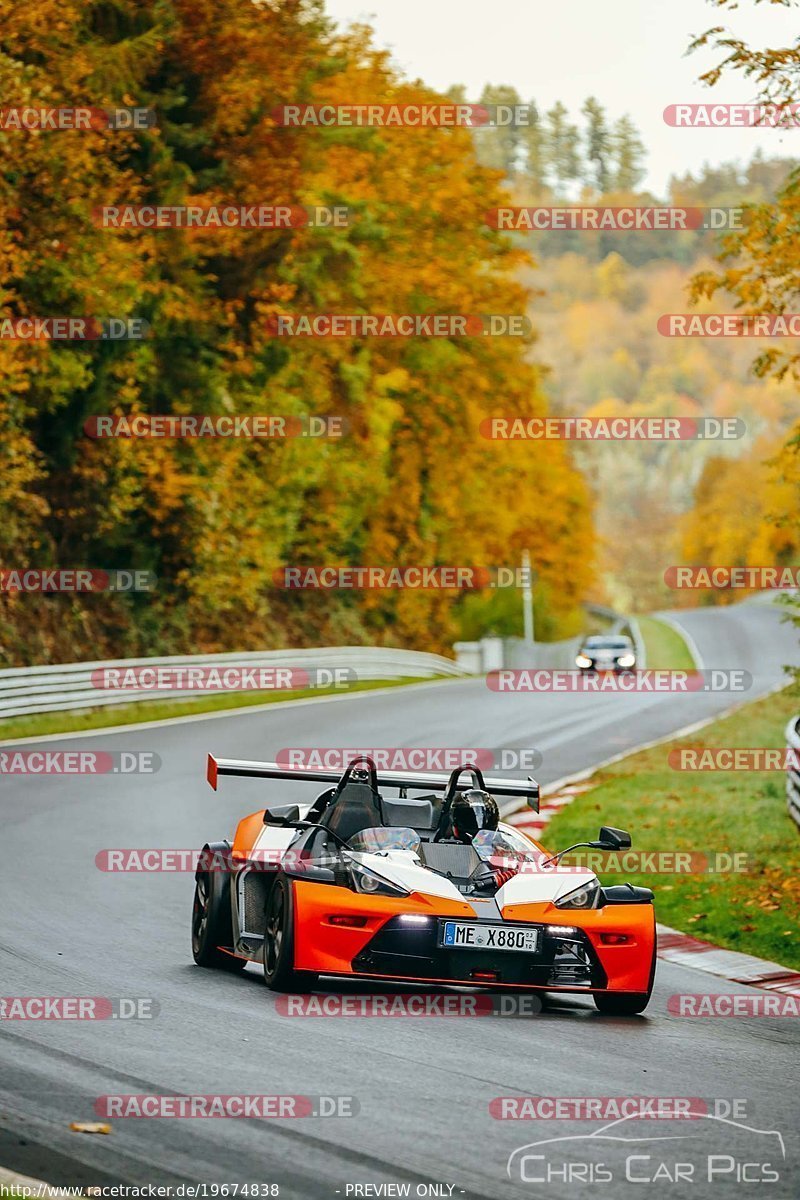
[(423, 1086)]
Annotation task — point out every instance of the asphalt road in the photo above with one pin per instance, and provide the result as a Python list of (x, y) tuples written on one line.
[(422, 1086)]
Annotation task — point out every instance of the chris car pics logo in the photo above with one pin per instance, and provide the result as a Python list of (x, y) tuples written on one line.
[(714, 1152)]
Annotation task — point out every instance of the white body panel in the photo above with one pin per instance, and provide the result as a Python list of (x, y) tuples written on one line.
[(403, 868)]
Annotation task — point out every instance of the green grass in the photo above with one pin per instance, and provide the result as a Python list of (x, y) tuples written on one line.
[(757, 912), (42, 724), (666, 649)]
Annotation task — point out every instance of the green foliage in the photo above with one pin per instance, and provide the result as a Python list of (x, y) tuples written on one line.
[(707, 812)]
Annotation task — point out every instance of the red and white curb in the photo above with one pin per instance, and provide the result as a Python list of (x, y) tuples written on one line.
[(674, 946), (533, 823), (732, 965)]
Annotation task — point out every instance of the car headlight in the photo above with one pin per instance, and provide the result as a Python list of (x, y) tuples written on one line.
[(583, 661), (586, 896), (369, 883), (627, 660)]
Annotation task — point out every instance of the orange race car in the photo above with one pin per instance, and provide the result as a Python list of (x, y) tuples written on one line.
[(429, 888)]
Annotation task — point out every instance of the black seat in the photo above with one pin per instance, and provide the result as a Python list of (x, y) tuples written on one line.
[(420, 813), (357, 806)]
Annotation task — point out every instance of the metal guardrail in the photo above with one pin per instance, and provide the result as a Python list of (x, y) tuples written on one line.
[(793, 771), (25, 690)]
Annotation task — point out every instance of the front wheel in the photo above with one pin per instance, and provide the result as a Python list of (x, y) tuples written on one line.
[(212, 925), (626, 1004), (621, 1004), (279, 969)]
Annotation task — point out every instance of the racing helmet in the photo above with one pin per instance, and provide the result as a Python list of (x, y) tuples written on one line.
[(472, 811)]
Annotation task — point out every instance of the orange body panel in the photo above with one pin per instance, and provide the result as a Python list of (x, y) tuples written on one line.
[(330, 949), (627, 966), (247, 833), (320, 946)]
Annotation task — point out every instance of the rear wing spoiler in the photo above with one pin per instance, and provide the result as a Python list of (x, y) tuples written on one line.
[(422, 781)]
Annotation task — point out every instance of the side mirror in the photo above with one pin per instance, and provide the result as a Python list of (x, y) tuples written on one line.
[(282, 814), (614, 839)]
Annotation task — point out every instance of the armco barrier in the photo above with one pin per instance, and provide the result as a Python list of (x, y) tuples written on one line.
[(26, 690), (792, 773)]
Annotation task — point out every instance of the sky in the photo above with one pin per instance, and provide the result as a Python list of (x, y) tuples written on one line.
[(630, 54)]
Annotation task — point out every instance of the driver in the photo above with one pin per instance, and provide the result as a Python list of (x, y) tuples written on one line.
[(473, 811)]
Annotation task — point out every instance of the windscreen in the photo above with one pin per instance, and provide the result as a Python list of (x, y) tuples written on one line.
[(492, 844), (379, 841)]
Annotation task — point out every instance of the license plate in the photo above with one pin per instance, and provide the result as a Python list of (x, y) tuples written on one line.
[(458, 935)]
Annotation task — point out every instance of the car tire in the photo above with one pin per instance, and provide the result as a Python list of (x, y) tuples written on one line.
[(278, 956), (212, 925), (626, 1004), (621, 1004)]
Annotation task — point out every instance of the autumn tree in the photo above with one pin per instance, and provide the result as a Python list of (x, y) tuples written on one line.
[(743, 510), (561, 142), (764, 271), (598, 145), (761, 261), (628, 156), (499, 147), (533, 138), (412, 481)]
